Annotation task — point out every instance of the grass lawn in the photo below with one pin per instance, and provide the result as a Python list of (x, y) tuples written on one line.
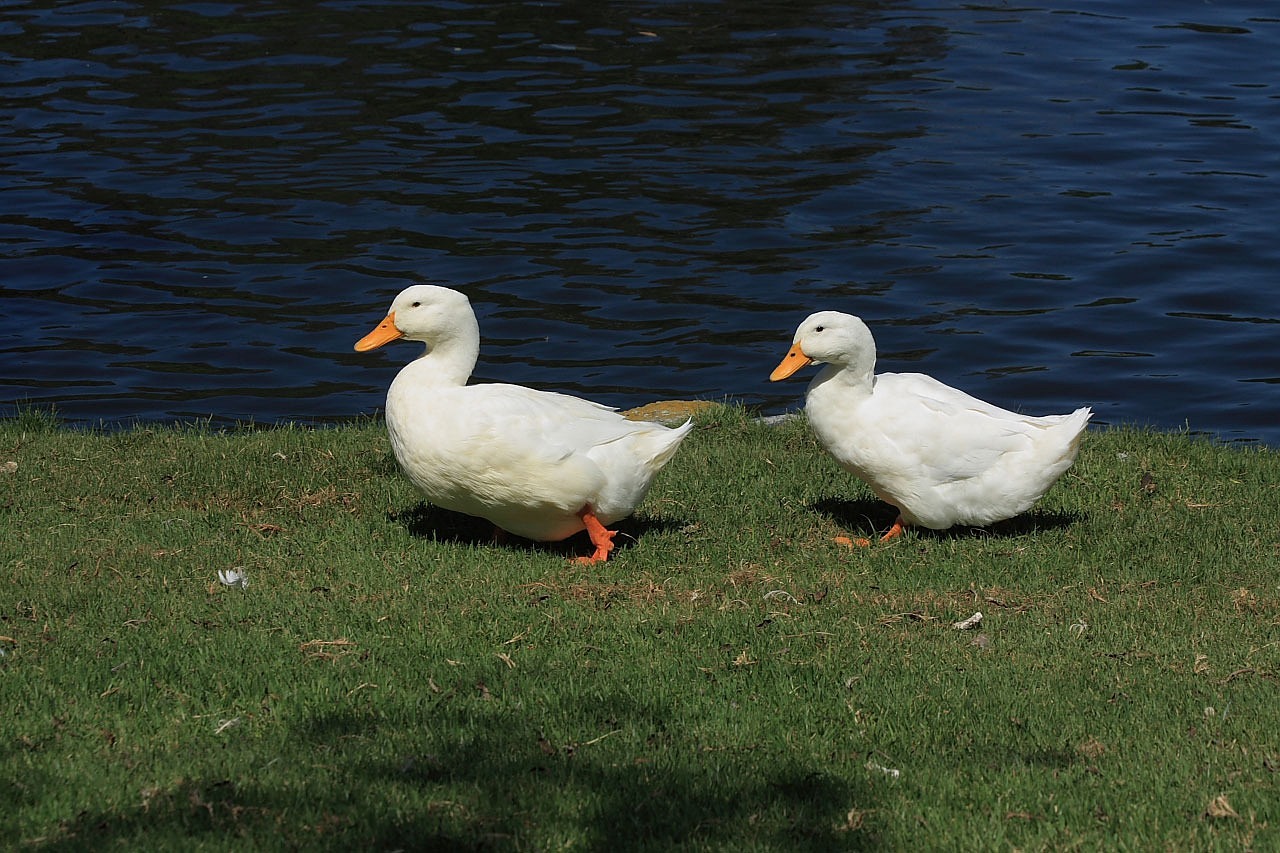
[(732, 679)]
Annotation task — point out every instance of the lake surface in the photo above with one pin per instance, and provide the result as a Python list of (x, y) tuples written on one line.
[(203, 205)]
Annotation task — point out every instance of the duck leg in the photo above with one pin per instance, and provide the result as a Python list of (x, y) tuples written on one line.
[(894, 532), (600, 537), (898, 527)]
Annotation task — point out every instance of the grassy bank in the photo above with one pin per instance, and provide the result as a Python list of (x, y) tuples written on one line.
[(732, 679)]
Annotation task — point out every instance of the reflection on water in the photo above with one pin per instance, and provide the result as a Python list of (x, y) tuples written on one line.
[(205, 204)]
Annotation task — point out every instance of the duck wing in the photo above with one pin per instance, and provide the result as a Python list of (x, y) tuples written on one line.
[(942, 433)]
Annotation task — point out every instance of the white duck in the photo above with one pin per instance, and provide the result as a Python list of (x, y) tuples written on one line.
[(537, 464), (940, 456)]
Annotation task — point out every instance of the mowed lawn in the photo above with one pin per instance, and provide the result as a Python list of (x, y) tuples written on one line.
[(389, 677)]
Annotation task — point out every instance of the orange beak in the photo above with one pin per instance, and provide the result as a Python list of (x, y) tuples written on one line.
[(791, 362), (385, 333)]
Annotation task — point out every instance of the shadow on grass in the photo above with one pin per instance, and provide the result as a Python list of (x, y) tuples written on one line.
[(623, 807), (872, 518), (449, 775), (491, 774), (425, 521)]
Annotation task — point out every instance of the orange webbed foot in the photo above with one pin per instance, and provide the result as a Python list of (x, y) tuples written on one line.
[(899, 526), (601, 537), (894, 532)]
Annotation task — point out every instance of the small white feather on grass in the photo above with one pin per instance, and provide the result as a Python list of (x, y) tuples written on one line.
[(236, 577)]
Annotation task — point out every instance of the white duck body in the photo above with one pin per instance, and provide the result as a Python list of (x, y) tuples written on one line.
[(529, 461), (939, 455)]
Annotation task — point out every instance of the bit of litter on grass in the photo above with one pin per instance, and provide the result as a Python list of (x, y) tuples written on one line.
[(891, 772), (965, 624), (1219, 807), (1091, 748), (236, 577), (223, 725), (327, 649), (596, 740)]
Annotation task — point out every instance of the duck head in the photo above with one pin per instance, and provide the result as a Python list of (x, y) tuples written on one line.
[(426, 313), (828, 337)]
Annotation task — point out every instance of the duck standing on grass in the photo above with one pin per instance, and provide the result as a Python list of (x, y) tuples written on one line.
[(537, 464), (940, 456)]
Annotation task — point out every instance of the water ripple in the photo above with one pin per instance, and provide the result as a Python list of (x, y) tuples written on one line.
[(205, 204)]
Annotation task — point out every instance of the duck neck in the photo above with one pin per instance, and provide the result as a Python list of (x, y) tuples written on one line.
[(844, 379), (450, 359)]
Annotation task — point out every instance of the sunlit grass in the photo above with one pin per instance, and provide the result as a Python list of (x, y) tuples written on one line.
[(731, 679)]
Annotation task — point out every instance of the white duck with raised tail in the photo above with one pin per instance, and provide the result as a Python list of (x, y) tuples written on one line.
[(537, 464), (938, 455)]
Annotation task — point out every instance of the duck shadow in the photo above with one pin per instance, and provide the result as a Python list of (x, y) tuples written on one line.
[(623, 804), (426, 521), (496, 781), (872, 518)]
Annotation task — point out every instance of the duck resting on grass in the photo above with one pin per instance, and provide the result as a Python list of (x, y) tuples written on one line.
[(938, 455), (537, 464)]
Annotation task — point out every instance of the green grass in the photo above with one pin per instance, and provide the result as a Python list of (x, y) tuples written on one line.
[(732, 679)]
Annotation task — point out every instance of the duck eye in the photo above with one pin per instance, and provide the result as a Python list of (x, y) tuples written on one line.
[(416, 305), (818, 329)]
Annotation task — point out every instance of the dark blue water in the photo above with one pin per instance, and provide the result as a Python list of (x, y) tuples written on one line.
[(203, 205)]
